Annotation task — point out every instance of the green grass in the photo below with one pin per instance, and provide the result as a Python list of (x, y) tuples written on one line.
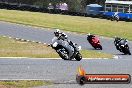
[(94, 54), (13, 48), (23, 84), (78, 24)]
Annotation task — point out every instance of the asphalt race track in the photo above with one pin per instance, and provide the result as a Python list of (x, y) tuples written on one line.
[(61, 72)]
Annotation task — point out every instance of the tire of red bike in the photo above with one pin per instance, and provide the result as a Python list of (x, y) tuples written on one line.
[(100, 47)]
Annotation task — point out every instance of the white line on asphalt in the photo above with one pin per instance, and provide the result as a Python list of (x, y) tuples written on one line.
[(17, 38), (69, 81), (4, 36), (22, 39), (33, 41), (23, 79), (13, 57), (27, 40), (116, 57), (45, 43), (45, 58)]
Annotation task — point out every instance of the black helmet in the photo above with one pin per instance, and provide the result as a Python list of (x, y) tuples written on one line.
[(118, 39)]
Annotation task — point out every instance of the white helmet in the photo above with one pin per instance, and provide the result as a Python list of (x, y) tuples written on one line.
[(88, 34), (58, 30)]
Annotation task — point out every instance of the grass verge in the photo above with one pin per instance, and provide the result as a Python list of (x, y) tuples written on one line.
[(13, 48), (23, 84), (97, 26), (95, 54)]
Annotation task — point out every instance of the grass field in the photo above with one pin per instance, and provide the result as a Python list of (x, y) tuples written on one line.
[(97, 26), (23, 84), (13, 48)]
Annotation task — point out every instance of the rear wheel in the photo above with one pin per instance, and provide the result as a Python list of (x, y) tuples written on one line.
[(78, 57)]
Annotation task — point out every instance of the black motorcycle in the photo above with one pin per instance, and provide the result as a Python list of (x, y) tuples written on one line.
[(122, 45), (63, 52)]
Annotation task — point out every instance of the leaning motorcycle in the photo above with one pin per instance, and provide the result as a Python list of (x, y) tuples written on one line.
[(122, 46), (63, 52), (94, 41)]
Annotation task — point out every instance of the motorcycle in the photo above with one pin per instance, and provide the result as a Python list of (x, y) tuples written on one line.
[(94, 41), (58, 46), (115, 18), (122, 46)]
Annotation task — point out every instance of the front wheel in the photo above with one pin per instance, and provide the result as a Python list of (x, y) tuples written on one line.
[(78, 57), (100, 47), (127, 51)]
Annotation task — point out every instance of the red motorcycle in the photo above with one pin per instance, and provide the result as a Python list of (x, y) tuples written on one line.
[(94, 41)]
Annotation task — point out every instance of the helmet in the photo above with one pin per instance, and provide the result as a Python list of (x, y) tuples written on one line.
[(64, 36), (117, 38), (57, 32), (88, 34)]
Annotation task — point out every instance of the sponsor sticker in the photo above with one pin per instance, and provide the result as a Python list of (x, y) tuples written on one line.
[(83, 78)]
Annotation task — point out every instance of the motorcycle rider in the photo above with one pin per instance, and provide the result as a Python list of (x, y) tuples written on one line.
[(120, 41), (90, 37), (63, 40), (116, 42), (115, 16), (57, 34)]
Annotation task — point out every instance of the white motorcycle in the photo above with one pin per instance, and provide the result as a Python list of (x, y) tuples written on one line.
[(61, 48)]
